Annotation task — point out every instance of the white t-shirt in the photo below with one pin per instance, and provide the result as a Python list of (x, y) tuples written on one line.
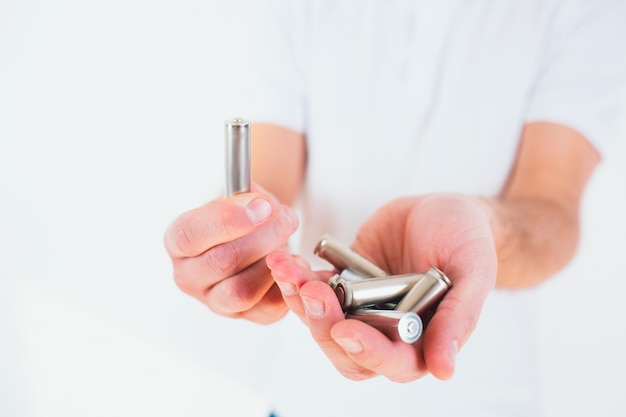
[(405, 97)]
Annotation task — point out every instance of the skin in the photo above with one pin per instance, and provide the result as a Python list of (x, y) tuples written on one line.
[(231, 254)]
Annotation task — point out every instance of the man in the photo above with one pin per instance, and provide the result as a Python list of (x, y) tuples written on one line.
[(454, 134)]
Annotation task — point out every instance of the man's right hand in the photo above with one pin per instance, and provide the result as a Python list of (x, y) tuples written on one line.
[(218, 254)]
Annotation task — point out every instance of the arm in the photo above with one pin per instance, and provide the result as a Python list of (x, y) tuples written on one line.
[(535, 219), (218, 250), (278, 160), (515, 240)]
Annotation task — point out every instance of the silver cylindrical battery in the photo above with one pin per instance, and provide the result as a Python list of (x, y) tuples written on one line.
[(345, 275), (396, 325), (237, 144), (425, 293), (342, 257), (373, 291)]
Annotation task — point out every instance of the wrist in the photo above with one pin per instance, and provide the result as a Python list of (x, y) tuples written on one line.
[(534, 238)]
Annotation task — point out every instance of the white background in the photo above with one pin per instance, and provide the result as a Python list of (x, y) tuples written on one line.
[(111, 116)]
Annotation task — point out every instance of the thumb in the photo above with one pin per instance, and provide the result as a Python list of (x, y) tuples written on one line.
[(454, 321)]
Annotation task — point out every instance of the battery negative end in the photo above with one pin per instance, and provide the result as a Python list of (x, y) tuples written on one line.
[(321, 245), (442, 276)]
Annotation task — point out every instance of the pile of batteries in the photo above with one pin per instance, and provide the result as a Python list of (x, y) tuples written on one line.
[(394, 304)]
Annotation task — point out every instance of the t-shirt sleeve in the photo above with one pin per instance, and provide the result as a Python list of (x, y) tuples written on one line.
[(276, 88), (582, 82)]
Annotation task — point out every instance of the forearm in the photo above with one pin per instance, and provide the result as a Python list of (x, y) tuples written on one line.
[(278, 160), (535, 219), (534, 238)]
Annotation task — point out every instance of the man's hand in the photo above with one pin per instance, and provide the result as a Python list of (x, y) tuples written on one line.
[(218, 253), (407, 235)]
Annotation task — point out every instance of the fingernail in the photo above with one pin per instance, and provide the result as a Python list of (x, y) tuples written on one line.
[(313, 307), (287, 288), (350, 345), (258, 210)]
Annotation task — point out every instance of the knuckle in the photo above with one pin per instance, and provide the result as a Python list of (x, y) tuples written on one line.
[(235, 295), (183, 238), (223, 258)]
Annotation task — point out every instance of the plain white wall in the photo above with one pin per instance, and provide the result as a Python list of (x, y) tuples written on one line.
[(583, 307), (111, 119), (111, 124)]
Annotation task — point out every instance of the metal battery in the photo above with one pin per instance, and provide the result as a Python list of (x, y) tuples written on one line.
[(342, 257), (396, 325), (345, 275), (425, 293), (238, 157), (354, 294)]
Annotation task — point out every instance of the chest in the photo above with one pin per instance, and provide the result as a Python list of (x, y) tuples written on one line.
[(423, 96)]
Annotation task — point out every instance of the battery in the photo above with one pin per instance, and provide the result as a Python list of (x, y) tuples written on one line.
[(342, 257), (345, 275), (354, 294), (238, 157), (425, 293), (396, 325)]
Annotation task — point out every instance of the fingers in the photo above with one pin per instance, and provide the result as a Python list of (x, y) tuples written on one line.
[(449, 329), (221, 221), (220, 239), (240, 292), (357, 350), (269, 309), (370, 349), (306, 293), (290, 273), (218, 252), (194, 275), (322, 313), (458, 313)]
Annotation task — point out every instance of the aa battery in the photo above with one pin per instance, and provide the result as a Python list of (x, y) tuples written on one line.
[(342, 257), (425, 293), (345, 275), (353, 294), (393, 304), (396, 325), (237, 144)]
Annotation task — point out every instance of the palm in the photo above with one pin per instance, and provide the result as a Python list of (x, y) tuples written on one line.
[(406, 235), (414, 233)]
